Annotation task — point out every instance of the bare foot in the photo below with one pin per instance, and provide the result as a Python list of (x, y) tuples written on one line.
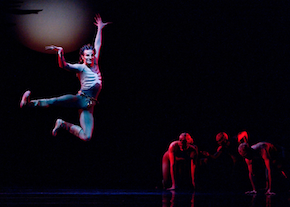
[(25, 99), (57, 126)]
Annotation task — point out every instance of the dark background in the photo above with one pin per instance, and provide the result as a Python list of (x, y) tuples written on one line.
[(168, 67)]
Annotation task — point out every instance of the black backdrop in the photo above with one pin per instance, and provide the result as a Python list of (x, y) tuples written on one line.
[(168, 67)]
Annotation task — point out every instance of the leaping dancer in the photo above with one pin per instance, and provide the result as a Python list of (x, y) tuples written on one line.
[(91, 83)]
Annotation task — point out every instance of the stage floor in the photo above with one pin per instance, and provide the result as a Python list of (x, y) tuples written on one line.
[(76, 197)]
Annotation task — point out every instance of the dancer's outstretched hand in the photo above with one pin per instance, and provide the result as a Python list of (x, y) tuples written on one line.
[(99, 23), (53, 47)]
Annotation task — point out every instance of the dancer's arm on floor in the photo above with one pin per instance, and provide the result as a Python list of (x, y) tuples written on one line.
[(194, 159), (193, 166), (251, 176), (172, 165), (266, 159)]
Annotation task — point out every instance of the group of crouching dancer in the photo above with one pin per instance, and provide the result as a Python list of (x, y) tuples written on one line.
[(183, 158)]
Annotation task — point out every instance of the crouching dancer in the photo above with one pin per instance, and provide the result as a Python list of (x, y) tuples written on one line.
[(91, 83), (268, 153), (179, 163)]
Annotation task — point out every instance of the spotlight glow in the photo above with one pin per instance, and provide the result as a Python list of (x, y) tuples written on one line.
[(66, 23)]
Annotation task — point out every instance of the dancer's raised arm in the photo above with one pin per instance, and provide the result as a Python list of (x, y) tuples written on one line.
[(98, 40), (61, 61)]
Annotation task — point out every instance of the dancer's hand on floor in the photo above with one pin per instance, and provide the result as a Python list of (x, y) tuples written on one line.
[(251, 192), (268, 192)]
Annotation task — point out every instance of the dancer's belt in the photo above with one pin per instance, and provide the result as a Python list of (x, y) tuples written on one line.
[(89, 97)]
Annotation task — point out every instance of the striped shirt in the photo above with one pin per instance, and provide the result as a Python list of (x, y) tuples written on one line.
[(89, 78)]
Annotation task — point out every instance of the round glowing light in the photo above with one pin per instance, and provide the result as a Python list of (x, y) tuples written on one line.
[(66, 23)]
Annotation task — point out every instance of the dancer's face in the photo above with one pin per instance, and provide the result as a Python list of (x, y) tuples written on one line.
[(183, 141), (88, 57), (222, 141)]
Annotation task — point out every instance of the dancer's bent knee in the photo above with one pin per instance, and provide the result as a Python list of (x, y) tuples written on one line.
[(83, 136)]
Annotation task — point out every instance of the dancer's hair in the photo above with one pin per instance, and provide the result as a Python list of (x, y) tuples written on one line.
[(222, 136), (243, 149), (243, 137), (188, 138)]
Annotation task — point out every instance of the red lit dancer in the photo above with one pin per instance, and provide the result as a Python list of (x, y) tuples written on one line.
[(268, 153), (179, 163), (223, 163), (91, 83), (225, 146)]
